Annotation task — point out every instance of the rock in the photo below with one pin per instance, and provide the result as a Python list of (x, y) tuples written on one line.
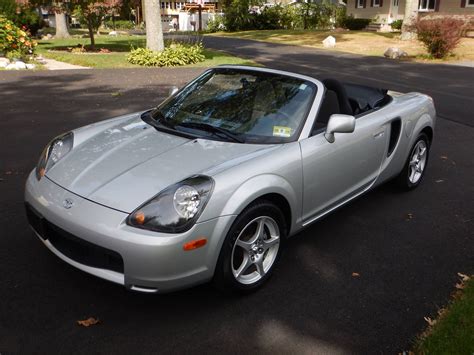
[(395, 53), (113, 33), (4, 62), (20, 65), (30, 66), (49, 36), (329, 42), (11, 66)]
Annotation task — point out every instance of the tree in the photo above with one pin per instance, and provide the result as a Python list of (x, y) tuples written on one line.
[(411, 15), (154, 32), (61, 23), (92, 12)]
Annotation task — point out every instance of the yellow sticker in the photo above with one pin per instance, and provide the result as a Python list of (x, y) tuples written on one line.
[(281, 131)]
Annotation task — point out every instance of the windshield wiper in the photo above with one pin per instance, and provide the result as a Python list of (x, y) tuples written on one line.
[(213, 129)]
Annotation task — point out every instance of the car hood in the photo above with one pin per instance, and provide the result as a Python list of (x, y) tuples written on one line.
[(127, 164)]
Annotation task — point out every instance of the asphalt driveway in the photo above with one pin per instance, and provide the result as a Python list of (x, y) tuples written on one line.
[(406, 248)]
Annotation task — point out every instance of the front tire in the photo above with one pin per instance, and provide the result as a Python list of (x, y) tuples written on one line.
[(416, 164), (251, 248)]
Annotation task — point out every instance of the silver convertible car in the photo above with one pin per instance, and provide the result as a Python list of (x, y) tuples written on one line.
[(209, 184)]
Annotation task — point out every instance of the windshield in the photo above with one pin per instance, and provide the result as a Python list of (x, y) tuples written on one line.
[(240, 105)]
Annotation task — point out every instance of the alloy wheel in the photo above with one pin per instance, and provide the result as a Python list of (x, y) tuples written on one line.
[(255, 250)]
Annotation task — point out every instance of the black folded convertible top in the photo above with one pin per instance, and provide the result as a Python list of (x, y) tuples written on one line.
[(366, 97)]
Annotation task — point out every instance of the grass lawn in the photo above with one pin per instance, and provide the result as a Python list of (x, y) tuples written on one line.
[(119, 47), (453, 332), (359, 42)]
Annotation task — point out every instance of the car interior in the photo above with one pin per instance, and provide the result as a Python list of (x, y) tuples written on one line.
[(348, 99)]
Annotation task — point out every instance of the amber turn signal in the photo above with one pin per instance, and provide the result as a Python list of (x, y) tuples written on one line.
[(194, 244), (139, 217)]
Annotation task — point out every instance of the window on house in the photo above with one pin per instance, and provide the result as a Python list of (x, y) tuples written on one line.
[(469, 3), (360, 3), (376, 3), (427, 5)]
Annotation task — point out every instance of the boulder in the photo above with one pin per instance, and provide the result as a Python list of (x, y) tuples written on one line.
[(394, 53), (30, 66), (4, 62), (329, 42), (20, 65), (11, 66)]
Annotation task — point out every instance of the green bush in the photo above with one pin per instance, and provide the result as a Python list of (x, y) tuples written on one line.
[(216, 25), (22, 16), (172, 56), (397, 25), (119, 24), (341, 16), (8, 8), (30, 19), (14, 41), (440, 36), (302, 15), (356, 24)]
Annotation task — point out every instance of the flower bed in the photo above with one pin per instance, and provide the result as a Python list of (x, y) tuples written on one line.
[(14, 41)]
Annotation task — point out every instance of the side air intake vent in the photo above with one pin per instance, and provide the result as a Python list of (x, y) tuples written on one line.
[(395, 127)]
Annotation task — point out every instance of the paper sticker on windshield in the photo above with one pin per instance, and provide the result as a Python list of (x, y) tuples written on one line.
[(281, 131)]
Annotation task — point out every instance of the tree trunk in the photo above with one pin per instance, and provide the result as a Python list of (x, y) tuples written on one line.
[(91, 33), (61, 25), (154, 32), (411, 15)]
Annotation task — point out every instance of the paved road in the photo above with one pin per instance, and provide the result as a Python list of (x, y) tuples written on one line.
[(313, 303)]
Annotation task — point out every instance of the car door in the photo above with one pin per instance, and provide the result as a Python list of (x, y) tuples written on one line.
[(335, 172)]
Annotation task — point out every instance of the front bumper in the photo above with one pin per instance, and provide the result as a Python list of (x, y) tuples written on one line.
[(96, 239)]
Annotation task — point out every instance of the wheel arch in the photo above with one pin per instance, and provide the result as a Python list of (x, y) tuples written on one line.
[(268, 187)]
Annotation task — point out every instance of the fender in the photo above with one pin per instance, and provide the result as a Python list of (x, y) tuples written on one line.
[(255, 187)]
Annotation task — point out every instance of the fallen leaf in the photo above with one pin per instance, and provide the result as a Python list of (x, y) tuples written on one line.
[(440, 180), (460, 286), (355, 274), (88, 322), (443, 157), (430, 321), (463, 277), (118, 93), (409, 216)]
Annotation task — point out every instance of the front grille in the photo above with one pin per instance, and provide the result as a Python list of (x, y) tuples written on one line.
[(74, 248)]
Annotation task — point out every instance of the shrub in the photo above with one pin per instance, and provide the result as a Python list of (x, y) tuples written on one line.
[(30, 19), (216, 24), (356, 24), (15, 41), (341, 16), (397, 25), (120, 24), (8, 8), (440, 36), (174, 55)]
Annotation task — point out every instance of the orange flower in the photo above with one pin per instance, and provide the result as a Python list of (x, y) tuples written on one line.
[(27, 43), (14, 45), (22, 39)]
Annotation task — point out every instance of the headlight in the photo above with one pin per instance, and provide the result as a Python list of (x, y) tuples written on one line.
[(54, 152), (175, 209)]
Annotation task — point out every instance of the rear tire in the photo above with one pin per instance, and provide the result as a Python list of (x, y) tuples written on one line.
[(251, 248), (415, 166)]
